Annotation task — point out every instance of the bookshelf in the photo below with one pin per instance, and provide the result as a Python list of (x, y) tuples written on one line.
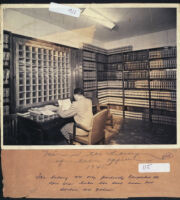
[(101, 60), (7, 72), (110, 81), (107, 78), (89, 74), (140, 84), (42, 73), (94, 61), (136, 85), (162, 66)]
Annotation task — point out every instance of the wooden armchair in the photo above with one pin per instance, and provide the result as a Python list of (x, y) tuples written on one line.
[(96, 134)]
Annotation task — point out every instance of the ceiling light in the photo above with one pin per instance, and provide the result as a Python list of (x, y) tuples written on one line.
[(98, 18), (66, 10)]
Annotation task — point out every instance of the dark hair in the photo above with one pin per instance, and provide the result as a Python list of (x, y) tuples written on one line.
[(78, 91)]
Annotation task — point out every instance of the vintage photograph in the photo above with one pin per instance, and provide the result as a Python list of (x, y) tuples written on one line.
[(89, 75)]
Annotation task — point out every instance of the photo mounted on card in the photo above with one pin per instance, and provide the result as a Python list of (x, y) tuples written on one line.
[(123, 58), (91, 87)]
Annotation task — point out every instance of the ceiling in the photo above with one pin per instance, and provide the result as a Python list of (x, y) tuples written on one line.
[(129, 21)]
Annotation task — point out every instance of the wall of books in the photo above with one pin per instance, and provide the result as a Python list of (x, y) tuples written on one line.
[(90, 72), (43, 72), (110, 80), (136, 85), (105, 78), (162, 63), (7, 61), (140, 84)]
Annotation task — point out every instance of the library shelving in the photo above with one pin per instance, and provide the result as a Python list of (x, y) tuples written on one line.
[(9, 118), (94, 61), (106, 85), (89, 74), (136, 85), (162, 64), (140, 84), (7, 72), (101, 60), (110, 80)]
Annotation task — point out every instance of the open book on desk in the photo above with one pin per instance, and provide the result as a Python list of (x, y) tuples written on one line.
[(65, 104)]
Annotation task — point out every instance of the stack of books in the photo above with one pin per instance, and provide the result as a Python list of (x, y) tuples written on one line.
[(135, 56), (136, 75), (115, 58), (164, 105), (89, 75), (163, 53), (136, 115), (120, 50), (6, 76), (6, 41), (136, 84), (90, 85), (101, 58), (6, 95), (163, 74), (6, 59), (89, 56), (136, 65), (163, 63), (163, 85), (164, 95), (137, 94), (137, 102)]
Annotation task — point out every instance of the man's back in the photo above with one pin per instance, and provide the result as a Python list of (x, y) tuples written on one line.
[(84, 113), (81, 110)]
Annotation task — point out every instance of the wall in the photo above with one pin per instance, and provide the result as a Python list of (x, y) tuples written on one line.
[(152, 40), (22, 24)]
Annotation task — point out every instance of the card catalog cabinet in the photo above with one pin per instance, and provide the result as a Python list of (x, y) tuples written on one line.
[(42, 72)]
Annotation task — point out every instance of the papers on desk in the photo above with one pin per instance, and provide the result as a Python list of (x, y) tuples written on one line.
[(46, 110), (65, 104), (51, 108), (26, 114)]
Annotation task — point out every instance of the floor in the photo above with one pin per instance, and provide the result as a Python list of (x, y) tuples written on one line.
[(141, 132), (132, 131)]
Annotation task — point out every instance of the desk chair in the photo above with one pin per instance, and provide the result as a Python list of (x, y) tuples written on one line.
[(109, 121), (96, 134)]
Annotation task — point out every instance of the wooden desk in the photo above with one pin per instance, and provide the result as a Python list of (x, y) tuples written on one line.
[(40, 131), (29, 130)]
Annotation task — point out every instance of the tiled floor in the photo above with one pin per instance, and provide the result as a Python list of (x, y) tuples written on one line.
[(141, 132)]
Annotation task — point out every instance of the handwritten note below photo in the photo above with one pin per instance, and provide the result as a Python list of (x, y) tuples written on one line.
[(89, 173)]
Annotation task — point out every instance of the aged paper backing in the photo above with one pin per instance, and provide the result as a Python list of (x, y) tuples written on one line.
[(92, 171)]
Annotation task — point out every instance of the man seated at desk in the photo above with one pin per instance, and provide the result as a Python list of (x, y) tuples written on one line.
[(81, 110)]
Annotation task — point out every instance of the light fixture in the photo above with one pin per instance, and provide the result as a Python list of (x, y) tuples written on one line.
[(64, 9), (94, 15)]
